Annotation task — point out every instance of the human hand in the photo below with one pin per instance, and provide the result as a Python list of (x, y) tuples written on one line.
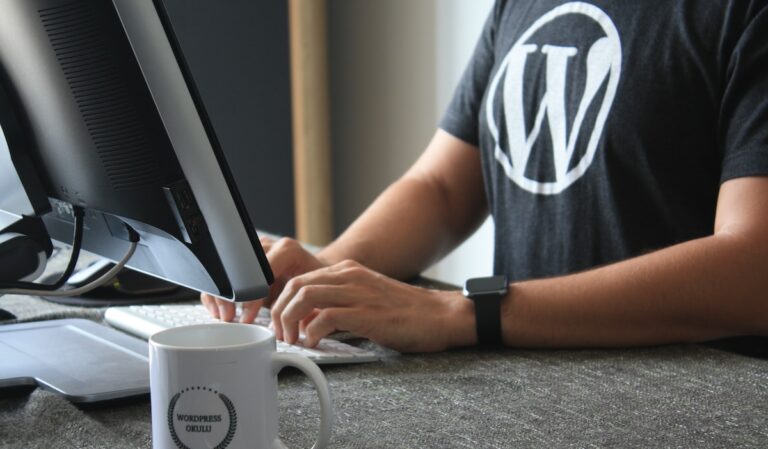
[(350, 297), (287, 258)]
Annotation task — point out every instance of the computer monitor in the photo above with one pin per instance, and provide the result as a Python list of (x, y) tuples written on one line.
[(99, 112)]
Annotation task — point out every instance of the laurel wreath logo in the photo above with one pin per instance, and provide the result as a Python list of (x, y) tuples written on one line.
[(231, 411)]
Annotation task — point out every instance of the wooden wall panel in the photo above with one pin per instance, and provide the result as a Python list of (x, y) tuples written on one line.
[(311, 120)]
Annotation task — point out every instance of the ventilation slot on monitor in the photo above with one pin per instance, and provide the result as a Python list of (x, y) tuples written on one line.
[(106, 104)]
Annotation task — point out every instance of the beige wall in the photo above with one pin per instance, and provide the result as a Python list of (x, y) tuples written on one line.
[(382, 95), (394, 65)]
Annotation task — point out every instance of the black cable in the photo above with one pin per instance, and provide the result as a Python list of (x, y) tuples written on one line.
[(77, 242), (102, 280)]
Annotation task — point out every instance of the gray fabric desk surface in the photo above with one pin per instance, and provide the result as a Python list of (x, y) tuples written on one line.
[(686, 396)]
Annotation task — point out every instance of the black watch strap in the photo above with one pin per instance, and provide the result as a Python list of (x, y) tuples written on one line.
[(488, 319), (487, 293)]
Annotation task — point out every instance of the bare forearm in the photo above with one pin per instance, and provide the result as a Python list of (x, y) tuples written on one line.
[(699, 290), (419, 218), (400, 234)]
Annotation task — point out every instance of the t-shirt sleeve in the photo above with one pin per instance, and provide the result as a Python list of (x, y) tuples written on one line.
[(461, 117), (744, 109)]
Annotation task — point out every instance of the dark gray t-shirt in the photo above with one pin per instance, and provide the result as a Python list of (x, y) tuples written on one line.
[(606, 128)]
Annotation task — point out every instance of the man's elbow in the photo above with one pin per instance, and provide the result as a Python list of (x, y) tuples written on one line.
[(746, 254)]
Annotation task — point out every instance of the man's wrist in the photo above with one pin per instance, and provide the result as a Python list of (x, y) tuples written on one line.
[(340, 250), (323, 259), (461, 316), (487, 293)]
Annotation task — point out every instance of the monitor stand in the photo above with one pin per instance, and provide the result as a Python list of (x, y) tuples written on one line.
[(129, 287)]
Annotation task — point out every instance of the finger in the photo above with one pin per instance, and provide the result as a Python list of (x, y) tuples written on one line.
[(321, 276), (283, 256), (306, 300), (288, 259), (284, 294), (274, 292), (305, 322), (226, 309), (266, 243), (327, 322), (210, 304), (250, 310)]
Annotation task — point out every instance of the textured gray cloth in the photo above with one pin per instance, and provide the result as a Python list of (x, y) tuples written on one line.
[(682, 396), (678, 396)]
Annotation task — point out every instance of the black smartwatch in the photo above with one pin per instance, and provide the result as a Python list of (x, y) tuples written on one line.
[(487, 294)]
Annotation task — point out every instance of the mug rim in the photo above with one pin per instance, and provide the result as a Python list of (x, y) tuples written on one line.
[(267, 336)]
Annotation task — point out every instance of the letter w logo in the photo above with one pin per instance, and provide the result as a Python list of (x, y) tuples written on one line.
[(603, 62)]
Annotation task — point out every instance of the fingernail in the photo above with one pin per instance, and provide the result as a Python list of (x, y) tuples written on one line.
[(222, 312)]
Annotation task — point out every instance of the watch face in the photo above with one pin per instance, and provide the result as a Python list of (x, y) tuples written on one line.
[(495, 284)]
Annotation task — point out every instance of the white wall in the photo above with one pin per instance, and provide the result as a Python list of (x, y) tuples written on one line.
[(394, 66), (458, 27)]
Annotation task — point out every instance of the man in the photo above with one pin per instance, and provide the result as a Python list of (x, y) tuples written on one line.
[(622, 147)]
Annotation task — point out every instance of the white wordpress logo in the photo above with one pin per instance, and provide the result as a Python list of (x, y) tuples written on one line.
[(603, 61)]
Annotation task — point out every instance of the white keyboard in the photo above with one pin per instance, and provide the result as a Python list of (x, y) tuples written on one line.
[(143, 321)]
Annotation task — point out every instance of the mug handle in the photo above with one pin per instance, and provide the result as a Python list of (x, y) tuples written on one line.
[(280, 361)]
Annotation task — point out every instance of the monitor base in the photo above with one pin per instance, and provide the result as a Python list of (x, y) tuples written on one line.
[(129, 287)]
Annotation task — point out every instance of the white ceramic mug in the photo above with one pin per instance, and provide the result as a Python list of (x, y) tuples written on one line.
[(215, 386)]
